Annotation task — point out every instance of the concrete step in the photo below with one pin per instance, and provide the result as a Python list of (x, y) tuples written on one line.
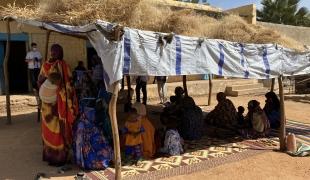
[(244, 86), (236, 82), (252, 91)]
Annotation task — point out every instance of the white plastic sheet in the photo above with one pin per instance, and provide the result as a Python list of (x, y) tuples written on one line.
[(141, 53)]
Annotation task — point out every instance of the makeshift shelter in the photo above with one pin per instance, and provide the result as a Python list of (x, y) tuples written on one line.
[(129, 51)]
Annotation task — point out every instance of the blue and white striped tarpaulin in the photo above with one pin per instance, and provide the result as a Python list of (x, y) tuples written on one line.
[(143, 53)]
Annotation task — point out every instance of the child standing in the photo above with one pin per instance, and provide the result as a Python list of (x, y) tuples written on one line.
[(133, 136)]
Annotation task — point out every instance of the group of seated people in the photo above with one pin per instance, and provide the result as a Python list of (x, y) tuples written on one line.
[(257, 121), (182, 120)]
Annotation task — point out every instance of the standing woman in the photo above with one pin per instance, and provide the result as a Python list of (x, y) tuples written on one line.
[(57, 118)]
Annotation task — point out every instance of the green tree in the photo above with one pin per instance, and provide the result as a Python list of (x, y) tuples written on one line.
[(284, 12)]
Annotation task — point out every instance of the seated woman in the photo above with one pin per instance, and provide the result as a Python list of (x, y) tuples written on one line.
[(148, 143), (173, 108), (191, 122), (258, 124), (179, 95), (224, 113), (92, 150), (272, 109)]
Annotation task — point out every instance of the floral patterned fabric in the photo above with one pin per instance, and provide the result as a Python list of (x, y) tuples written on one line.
[(92, 150), (57, 119), (172, 144)]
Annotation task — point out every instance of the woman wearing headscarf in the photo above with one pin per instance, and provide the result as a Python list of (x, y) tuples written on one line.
[(191, 125), (224, 113), (57, 119), (272, 109), (258, 124)]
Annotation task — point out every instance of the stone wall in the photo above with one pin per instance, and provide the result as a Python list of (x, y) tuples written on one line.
[(247, 12), (300, 34)]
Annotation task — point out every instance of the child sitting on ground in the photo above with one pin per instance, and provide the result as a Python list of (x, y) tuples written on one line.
[(240, 112), (47, 91), (173, 144), (133, 136)]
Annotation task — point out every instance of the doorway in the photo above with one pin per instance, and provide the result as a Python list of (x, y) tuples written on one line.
[(18, 74)]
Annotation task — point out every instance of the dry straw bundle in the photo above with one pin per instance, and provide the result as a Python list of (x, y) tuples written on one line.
[(148, 15)]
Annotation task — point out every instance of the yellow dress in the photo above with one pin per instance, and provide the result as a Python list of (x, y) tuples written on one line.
[(149, 148), (133, 127)]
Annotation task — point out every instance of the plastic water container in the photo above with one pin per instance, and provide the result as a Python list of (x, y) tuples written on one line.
[(291, 143)]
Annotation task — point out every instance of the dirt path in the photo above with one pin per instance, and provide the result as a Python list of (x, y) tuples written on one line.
[(265, 166), (20, 148)]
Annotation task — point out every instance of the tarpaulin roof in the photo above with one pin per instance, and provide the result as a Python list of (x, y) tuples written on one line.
[(149, 53)]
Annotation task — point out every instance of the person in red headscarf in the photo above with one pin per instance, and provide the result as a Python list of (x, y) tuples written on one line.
[(57, 118)]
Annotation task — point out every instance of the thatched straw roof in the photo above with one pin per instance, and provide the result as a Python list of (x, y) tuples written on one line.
[(148, 15)]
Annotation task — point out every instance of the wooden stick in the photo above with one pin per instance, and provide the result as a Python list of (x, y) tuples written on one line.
[(185, 85), (129, 88), (6, 72), (47, 38), (272, 84), (210, 90), (113, 117), (123, 83), (282, 135)]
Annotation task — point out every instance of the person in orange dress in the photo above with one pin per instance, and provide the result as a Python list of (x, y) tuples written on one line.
[(148, 142), (133, 136), (57, 118)]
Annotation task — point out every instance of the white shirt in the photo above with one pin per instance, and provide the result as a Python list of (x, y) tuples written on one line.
[(31, 55)]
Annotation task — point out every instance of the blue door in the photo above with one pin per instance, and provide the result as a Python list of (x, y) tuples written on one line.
[(16, 61), (1, 68)]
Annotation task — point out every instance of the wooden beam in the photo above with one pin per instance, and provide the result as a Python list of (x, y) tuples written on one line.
[(272, 84), (185, 85), (6, 72), (113, 117), (282, 135), (47, 38), (210, 89)]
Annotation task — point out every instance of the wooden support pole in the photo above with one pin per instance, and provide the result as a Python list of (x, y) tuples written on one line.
[(113, 117), (47, 38), (282, 135), (185, 85), (272, 84), (6, 72), (210, 89), (129, 88), (123, 83)]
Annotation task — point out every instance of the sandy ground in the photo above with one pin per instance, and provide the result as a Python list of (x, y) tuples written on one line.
[(20, 147)]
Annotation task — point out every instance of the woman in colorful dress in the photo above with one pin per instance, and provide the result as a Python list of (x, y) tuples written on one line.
[(92, 148), (57, 119)]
